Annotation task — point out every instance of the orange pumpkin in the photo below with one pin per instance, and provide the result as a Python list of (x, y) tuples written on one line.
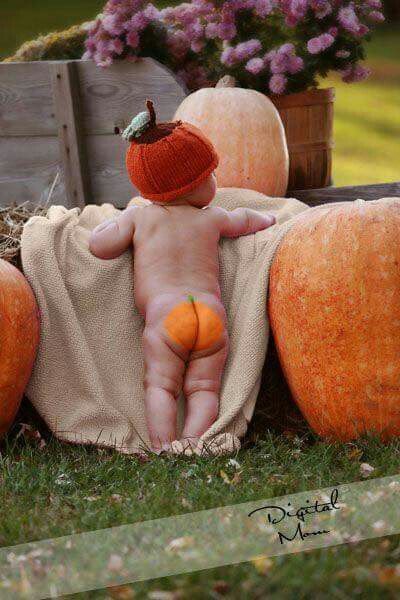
[(248, 134), (19, 338), (334, 306)]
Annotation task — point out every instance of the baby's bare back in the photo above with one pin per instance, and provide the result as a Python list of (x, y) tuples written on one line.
[(175, 251)]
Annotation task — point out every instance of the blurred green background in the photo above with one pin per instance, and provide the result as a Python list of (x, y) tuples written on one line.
[(367, 115)]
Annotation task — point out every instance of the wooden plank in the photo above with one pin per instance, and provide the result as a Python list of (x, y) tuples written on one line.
[(112, 96), (66, 95), (110, 181), (26, 100), (28, 168), (108, 98), (341, 194), (115, 93)]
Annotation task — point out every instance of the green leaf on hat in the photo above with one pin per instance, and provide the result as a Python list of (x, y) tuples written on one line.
[(137, 127)]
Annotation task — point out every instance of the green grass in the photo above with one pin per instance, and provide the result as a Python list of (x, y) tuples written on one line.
[(37, 503), (367, 118), (22, 20)]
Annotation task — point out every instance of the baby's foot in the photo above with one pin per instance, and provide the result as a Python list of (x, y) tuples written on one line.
[(182, 447)]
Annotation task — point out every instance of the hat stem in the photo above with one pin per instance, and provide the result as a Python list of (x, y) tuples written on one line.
[(152, 112)]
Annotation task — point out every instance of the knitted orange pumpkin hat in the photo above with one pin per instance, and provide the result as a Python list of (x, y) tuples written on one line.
[(167, 160)]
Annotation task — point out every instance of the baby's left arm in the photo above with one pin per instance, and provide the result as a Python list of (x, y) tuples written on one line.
[(112, 237)]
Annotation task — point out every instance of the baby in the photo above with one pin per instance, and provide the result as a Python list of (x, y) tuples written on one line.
[(176, 271)]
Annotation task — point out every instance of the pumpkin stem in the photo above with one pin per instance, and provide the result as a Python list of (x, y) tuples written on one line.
[(152, 112), (226, 81)]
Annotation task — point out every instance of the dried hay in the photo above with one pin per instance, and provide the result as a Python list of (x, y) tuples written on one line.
[(12, 220)]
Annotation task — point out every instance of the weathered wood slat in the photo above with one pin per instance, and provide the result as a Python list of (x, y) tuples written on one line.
[(110, 181), (28, 168), (341, 194), (112, 96), (26, 100), (67, 104), (107, 98), (108, 95)]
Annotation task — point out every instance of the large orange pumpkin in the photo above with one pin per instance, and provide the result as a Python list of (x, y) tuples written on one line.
[(248, 134), (335, 313), (19, 338)]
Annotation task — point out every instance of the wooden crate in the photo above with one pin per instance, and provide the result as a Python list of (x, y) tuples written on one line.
[(57, 122)]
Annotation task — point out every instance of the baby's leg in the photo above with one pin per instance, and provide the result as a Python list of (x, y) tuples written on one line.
[(204, 371), (164, 371), (201, 387)]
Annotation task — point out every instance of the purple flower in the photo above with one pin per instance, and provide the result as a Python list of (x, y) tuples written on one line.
[(227, 31), (112, 24), (322, 8), (320, 43), (295, 64), (355, 73), (255, 66), (349, 20), (246, 50), (279, 63), (102, 61), (376, 16), (299, 8), (211, 30), (132, 39), (377, 4), (286, 49), (314, 46), (138, 21), (263, 8), (116, 46), (228, 56), (269, 56), (178, 44), (277, 84), (188, 28), (342, 54), (197, 46), (295, 11), (363, 30)]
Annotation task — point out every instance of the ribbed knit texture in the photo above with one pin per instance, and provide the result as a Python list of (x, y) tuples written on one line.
[(173, 165)]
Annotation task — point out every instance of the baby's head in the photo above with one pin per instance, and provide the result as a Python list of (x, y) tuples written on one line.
[(170, 163)]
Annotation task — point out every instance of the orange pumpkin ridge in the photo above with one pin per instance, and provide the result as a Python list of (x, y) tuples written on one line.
[(193, 325)]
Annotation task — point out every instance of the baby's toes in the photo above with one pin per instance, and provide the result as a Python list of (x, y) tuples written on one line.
[(182, 447)]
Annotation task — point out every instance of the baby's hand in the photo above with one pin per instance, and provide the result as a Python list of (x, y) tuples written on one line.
[(243, 221), (112, 237)]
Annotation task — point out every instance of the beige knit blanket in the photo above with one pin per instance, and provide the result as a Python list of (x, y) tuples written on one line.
[(87, 378)]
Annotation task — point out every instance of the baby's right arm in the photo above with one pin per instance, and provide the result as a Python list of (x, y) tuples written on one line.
[(242, 221), (112, 237)]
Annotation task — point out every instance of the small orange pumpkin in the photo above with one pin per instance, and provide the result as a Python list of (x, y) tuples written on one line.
[(19, 339), (248, 134), (334, 306)]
